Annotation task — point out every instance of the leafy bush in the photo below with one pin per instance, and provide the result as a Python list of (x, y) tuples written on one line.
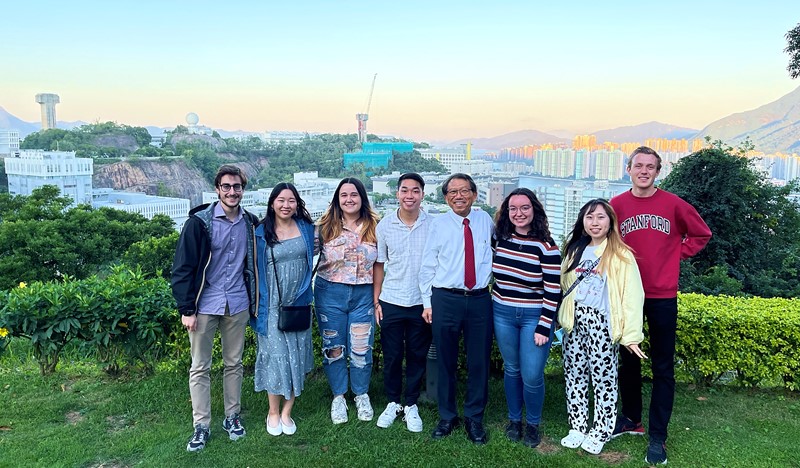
[(758, 339), (153, 254), (125, 317)]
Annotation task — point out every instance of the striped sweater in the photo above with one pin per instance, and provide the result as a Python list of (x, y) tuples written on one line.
[(527, 273)]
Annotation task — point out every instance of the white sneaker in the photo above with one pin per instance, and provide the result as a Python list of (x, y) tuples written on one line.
[(574, 439), (339, 410), (412, 419), (389, 414), (364, 407)]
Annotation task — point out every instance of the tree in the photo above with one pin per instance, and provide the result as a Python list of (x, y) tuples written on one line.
[(793, 49), (754, 224), (40, 240)]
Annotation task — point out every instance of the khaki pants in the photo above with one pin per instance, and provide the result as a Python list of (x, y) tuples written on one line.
[(231, 329)]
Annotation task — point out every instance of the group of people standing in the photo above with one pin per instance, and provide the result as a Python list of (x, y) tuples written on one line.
[(425, 280)]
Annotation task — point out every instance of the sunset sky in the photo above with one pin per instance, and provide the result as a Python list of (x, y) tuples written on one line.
[(446, 69)]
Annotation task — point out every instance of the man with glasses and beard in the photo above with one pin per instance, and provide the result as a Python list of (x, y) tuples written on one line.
[(214, 284)]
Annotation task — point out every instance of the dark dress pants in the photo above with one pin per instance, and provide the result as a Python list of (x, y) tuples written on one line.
[(455, 314), (404, 331)]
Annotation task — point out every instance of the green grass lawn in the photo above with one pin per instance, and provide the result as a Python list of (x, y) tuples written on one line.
[(80, 417)]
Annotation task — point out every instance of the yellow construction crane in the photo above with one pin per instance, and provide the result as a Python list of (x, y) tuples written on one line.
[(363, 117)]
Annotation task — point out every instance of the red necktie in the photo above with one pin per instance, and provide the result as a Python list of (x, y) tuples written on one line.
[(469, 257)]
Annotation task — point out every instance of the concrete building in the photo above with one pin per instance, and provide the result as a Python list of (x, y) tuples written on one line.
[(277, 136), (48, 102), (9, 143), (473, 167), (446, 156), (36, 168), (562, 199), (498, 191), (146, 205)]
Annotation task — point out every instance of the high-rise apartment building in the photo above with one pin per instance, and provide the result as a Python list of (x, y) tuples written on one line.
[(9, 143), (48, 102), (36, 168)]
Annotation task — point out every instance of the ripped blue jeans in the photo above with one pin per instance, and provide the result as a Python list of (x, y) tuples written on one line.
[(346, 320)]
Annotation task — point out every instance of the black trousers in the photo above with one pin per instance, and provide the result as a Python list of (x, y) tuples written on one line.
[(662, 322), (455, 315), (404, 332)]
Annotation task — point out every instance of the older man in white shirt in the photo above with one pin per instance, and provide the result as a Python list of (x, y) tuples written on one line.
[(454, 279)]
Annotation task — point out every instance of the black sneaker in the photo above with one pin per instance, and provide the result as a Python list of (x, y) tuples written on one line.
[(233, 426), (514, 431), (532, 437), (198, 440), (626, 426), (656, 453)]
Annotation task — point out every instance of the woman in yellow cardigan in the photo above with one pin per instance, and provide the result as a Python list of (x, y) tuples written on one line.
[(601, 309)]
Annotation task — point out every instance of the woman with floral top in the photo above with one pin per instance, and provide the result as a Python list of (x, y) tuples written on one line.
[(343, 296)]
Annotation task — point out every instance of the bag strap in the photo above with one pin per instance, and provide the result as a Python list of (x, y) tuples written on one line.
[(277, 283), (581, 277)]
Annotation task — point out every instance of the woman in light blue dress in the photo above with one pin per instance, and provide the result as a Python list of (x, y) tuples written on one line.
[(285, 245)]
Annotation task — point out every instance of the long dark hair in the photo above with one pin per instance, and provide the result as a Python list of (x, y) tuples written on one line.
[(330, 224), (579, 238), (540, 227), (269, 219)]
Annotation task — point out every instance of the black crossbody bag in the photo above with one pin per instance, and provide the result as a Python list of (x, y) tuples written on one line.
[(291, 318)]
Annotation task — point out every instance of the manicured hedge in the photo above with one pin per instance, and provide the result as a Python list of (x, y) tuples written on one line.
[(128, 317), (754, 340)]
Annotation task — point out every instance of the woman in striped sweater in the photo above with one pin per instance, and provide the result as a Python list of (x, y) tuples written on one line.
[(526, 292)]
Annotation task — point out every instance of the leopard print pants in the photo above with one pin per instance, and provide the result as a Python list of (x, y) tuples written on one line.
[(591, 355)]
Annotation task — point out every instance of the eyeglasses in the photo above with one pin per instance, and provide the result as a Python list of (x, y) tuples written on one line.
[(228, 187), (523, 208), (464, 192)]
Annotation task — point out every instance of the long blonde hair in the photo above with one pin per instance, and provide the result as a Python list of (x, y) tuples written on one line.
[(579, 238), (330, 224)]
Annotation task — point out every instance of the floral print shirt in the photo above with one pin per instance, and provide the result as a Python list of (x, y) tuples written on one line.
[(347, 260)]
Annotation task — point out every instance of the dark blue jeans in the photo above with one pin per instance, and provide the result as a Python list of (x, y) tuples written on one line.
[(662, 321), (523, 361)]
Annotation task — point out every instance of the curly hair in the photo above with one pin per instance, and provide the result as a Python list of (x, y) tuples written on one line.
[(540, 226)]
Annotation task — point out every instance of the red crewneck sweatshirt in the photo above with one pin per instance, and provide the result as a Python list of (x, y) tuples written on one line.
[(662, 229)]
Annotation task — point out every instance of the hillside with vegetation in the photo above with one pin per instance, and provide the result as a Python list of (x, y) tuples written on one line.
[(184, 166)]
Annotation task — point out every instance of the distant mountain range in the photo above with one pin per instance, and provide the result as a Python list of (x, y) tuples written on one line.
[(8, 120), (644, 131), (772, 128), (622, 134), (510, 140)]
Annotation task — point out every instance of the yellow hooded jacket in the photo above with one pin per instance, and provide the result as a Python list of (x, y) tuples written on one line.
[(626, 297)]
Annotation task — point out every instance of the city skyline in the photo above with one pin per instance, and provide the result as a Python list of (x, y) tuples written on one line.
[(445, 71)]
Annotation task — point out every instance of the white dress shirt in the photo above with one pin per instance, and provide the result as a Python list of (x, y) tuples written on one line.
[(443, 257)]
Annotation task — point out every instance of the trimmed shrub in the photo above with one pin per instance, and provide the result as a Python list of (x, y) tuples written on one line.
[(756, 339)]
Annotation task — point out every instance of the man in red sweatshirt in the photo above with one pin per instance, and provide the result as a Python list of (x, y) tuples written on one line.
[(662, 229)]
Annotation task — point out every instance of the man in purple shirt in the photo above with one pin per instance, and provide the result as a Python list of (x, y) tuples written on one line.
[(214, 284)]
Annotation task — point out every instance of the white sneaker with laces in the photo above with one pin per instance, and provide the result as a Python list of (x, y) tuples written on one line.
[(389, 414), (339, 410), (412, 419), (364, 407), (574, 439)]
